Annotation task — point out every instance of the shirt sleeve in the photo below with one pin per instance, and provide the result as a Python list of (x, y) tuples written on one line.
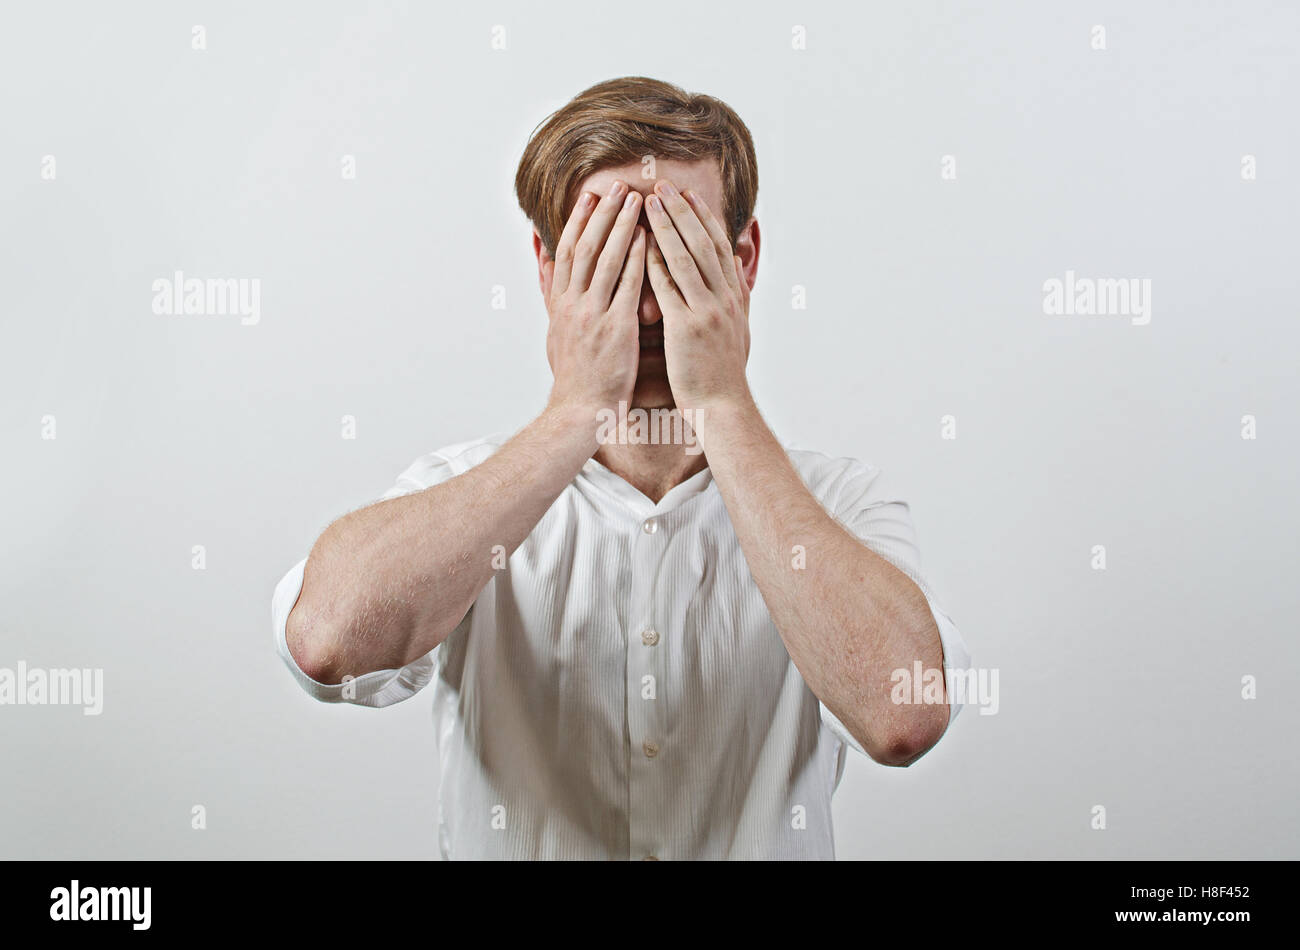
[(862, 500), (379, 687)]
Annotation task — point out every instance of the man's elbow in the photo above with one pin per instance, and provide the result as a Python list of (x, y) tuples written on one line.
[(312, 646), (909, 738)]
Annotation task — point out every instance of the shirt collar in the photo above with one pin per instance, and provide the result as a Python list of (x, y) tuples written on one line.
[(598, 476)]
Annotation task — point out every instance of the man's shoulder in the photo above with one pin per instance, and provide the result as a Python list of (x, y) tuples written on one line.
[(823, 473), (470, 453), (448, 462), (844, 484)]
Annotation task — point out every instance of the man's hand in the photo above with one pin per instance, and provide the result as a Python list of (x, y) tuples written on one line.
[(704, 297), (592, 288)]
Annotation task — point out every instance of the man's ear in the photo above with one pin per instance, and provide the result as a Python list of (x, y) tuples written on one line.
[(747, 245), (545, 266)]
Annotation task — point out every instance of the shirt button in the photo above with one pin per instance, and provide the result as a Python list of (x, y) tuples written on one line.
[(650, 637), (650, 749), (650, 526)]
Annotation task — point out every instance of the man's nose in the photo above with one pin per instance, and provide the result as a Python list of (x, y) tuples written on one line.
[(647, 309)]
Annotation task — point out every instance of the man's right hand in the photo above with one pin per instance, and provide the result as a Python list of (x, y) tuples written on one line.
[(592, 289), (387, 583)]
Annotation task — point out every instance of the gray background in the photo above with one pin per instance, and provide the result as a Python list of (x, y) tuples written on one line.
[(1119, 687)]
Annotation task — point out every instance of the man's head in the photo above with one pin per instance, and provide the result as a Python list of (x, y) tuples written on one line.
[(634, 121), (641, 130)]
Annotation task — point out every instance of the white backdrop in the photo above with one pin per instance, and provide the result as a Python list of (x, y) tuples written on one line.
[(127, 155)]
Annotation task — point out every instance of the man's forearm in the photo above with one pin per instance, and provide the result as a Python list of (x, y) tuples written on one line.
[(386, 584), (848, 617)]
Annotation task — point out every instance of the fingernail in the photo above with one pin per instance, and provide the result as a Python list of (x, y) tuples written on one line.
[(654, 202), (630, 200), (615, 189), (587, 198), (668, 189)]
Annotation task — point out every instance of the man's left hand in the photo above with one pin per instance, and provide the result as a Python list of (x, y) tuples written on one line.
[(702, 291)]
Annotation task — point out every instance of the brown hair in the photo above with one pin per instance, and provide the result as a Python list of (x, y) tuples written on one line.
[(620, 121)]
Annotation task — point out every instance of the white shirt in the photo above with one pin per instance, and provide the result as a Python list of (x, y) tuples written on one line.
[(619, 690)]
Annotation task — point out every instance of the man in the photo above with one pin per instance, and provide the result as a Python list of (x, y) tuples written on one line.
[(638, 650)]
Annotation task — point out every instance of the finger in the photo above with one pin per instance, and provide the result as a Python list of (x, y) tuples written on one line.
[(628, 292), (693, 235), (568, 239), (721, 243), (547, 278), (676, 257), (593, 237), (661, 281), (742, 284), (615, 253)]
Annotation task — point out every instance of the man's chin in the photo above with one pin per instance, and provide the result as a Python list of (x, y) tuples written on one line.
[(652, 393)]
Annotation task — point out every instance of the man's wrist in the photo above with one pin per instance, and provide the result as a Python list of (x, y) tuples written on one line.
[(715, 418), (572, 423)]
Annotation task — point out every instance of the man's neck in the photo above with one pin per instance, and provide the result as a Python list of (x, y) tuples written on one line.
[(653, 470)]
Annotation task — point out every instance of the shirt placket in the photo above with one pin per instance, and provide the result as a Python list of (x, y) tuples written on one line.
[(644, 714)]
